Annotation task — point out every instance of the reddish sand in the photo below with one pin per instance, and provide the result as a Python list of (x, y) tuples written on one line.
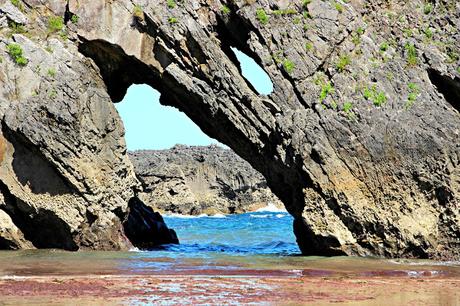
[(243, 288)]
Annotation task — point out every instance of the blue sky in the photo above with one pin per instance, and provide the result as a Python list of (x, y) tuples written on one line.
[(150, 125)]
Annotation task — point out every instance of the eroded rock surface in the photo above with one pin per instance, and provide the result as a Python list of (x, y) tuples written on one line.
[(360, 138), (200, 180)]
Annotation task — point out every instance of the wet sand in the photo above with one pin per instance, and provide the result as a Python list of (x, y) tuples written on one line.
[(116, 278), (249, 287)]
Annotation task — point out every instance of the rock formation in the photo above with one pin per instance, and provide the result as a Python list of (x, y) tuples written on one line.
[(200, 180), (360, 138), (145, 228)]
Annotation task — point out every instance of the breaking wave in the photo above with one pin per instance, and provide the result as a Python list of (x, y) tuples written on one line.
[(271, 208)]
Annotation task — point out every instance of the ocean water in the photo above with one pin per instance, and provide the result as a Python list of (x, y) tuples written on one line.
[(258, 243), (248, 259), (266, 232)]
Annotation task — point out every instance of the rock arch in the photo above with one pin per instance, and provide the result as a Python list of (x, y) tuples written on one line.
[(379, 178)]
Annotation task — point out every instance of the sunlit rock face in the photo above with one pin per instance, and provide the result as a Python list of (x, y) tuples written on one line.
[(359, 139), (195, 180)]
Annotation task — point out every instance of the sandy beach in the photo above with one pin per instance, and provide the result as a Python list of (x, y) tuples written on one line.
[(244, 287)]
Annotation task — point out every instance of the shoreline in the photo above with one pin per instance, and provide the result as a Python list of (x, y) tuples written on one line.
[(143, 278), (132, 289)]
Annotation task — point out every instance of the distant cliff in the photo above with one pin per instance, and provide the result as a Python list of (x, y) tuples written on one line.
[(200, 180)]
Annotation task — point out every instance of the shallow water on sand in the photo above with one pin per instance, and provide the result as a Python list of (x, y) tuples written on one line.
[(224, 259)]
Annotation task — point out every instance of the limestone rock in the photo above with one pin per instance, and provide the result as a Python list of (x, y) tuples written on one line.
[(200, 180), (11, 238), (362, 148), (63, 159), (12, 12)]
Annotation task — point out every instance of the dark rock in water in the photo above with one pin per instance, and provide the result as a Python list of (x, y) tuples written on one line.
[(200, 180), (359, 139), (145, 228)]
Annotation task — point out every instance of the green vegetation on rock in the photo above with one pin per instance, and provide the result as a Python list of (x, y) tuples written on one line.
[(17, 54), (384, 46), (338, 7), (288, 65), (74, 19), (225, 9), (52, 72), (288, 11), (347, 106), (16, 28), (262, 16), (171, 4), (428, 33), (411, 52), (53, 94), (305, 3), (428, 8), (453, 56), (378, 98), (326, 89), (18, 4), (343, 62), (138, 11), (413, 94), (55, 24)]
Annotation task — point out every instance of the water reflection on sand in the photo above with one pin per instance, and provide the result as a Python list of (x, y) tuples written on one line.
[(103, 278)]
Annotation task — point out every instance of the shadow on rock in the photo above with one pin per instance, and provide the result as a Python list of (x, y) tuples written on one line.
[(145, 228)]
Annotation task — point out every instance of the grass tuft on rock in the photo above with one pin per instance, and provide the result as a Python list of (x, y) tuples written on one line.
[(17, 54), (18, 4), (288, 65), (343, 62), (171, 4), (225, 9), (262, 16), (411, 53), (55, 24), (138, 12)]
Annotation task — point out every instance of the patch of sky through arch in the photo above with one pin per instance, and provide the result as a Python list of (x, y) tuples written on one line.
[(254, 73), (150, 125)]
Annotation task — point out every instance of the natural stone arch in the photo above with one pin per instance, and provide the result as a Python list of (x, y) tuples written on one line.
[(310, 157), (357, 184)]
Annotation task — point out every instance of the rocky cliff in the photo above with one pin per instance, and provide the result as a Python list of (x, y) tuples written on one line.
[(359, 139), (200, 180)]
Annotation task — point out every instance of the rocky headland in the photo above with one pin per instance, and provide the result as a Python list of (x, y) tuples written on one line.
[(360, 138), (200, 180)]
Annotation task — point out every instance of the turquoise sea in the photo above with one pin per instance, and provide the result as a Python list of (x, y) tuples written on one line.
[(259, 242)]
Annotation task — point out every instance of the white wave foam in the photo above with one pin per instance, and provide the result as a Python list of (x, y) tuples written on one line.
[(134, 249), (184, 216), (268, 216), (259, 216), (218, 216), (193, 217), (271, 208)]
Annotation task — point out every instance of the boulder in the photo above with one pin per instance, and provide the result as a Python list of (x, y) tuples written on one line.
[(145, 228)]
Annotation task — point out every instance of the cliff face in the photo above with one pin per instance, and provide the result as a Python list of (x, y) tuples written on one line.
[(360, 138), (200, 180)]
